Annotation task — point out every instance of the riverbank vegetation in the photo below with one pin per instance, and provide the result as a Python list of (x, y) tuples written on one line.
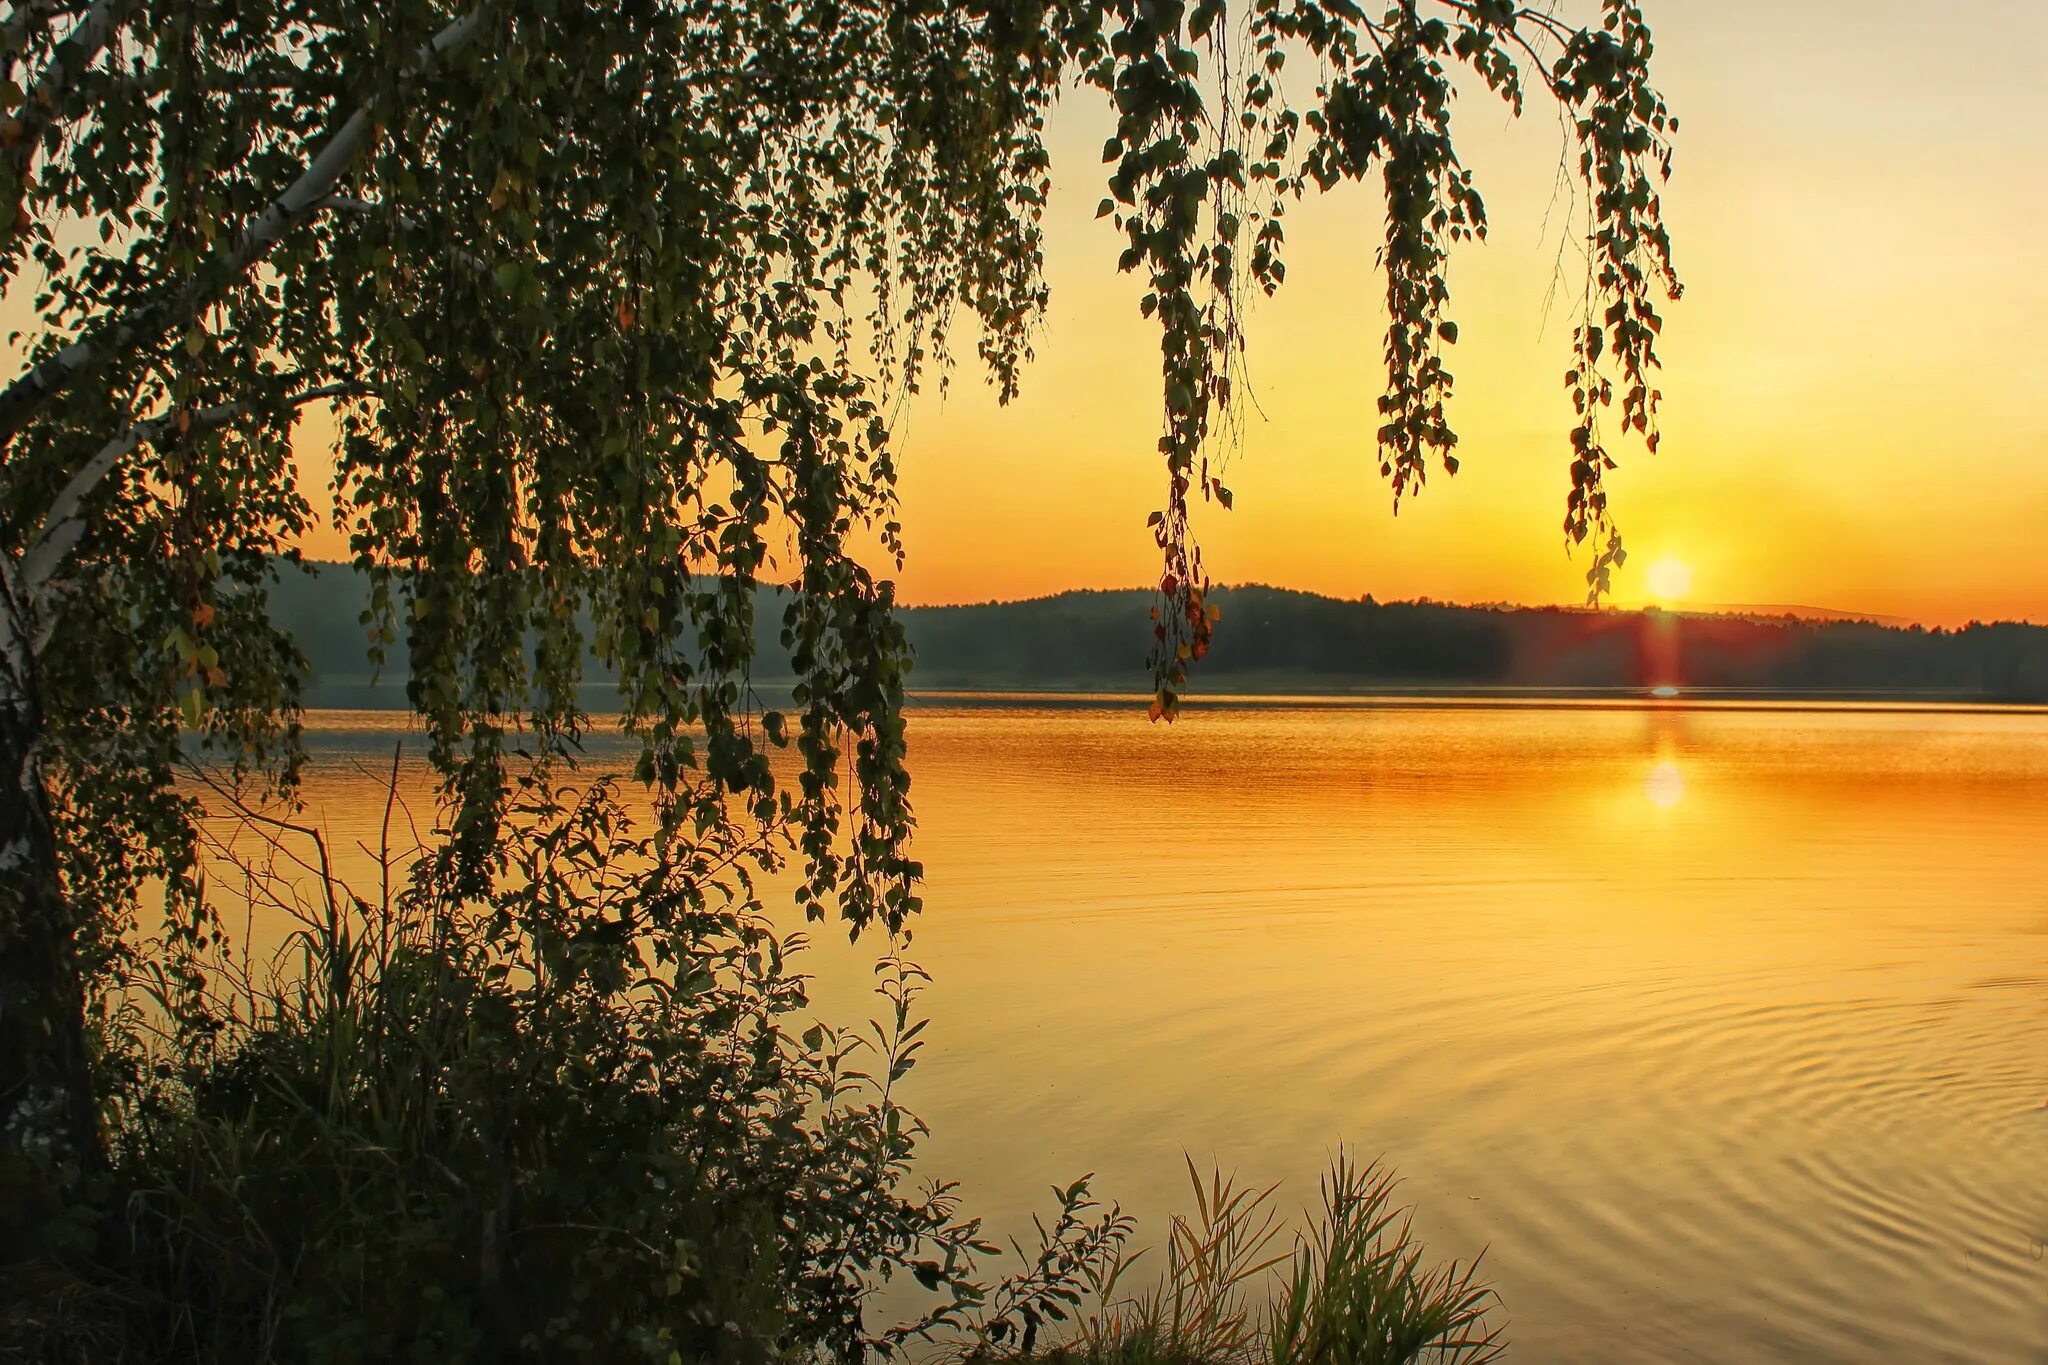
[(587, 1116)]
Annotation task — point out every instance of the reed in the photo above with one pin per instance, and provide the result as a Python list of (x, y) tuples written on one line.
[(1354, 1287)]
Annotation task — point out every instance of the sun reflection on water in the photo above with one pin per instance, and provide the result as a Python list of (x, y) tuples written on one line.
[(1665, 786)]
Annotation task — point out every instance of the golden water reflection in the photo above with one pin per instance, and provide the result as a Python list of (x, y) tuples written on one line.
[(1724, 1030)]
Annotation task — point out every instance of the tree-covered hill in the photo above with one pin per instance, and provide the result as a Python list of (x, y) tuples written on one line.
[(1275, 640)]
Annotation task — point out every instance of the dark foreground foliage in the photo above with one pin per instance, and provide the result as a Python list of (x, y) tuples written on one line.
[(584, 1116), (571, 1118)]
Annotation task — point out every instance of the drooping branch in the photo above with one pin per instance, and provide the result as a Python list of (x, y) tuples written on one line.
[(65, 524), (36, 122), (177, 305)]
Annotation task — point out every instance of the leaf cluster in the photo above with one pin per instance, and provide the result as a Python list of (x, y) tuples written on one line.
[(1210, 151)]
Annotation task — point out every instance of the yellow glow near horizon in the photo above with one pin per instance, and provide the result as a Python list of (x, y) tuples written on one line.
[(1669, 580)]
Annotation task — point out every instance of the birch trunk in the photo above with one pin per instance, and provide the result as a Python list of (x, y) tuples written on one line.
[(48, 1117)]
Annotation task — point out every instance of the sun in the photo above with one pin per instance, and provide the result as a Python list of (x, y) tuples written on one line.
[(1670, 579)]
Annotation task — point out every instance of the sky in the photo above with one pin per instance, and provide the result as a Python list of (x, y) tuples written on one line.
[(1855, 416)]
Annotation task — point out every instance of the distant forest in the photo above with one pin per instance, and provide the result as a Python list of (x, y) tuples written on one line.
[(1273, 640)]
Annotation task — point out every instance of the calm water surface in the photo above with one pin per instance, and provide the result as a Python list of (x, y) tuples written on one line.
[(1724, 1031)]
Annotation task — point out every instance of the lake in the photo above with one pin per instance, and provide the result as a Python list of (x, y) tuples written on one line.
[(1722, 1029)]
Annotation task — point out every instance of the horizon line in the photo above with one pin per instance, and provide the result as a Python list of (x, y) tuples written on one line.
[(1763, 610)]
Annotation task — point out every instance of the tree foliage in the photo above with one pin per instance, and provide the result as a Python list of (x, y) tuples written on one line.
[(610, 305), (1201, 186)]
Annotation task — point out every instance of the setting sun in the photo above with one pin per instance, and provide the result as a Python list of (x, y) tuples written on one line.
[(1670, 580)]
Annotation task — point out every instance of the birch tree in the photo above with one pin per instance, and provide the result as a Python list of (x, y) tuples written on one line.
[(608, 306)]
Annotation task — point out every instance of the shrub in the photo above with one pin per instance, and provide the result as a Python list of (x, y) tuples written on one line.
[(572, 1116)]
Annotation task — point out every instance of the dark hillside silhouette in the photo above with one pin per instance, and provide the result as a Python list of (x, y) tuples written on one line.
[(1277, 640)]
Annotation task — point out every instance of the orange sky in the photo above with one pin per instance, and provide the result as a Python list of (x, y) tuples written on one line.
[(1855, 415)]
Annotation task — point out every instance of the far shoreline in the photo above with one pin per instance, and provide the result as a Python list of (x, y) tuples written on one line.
[(332, 702)]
